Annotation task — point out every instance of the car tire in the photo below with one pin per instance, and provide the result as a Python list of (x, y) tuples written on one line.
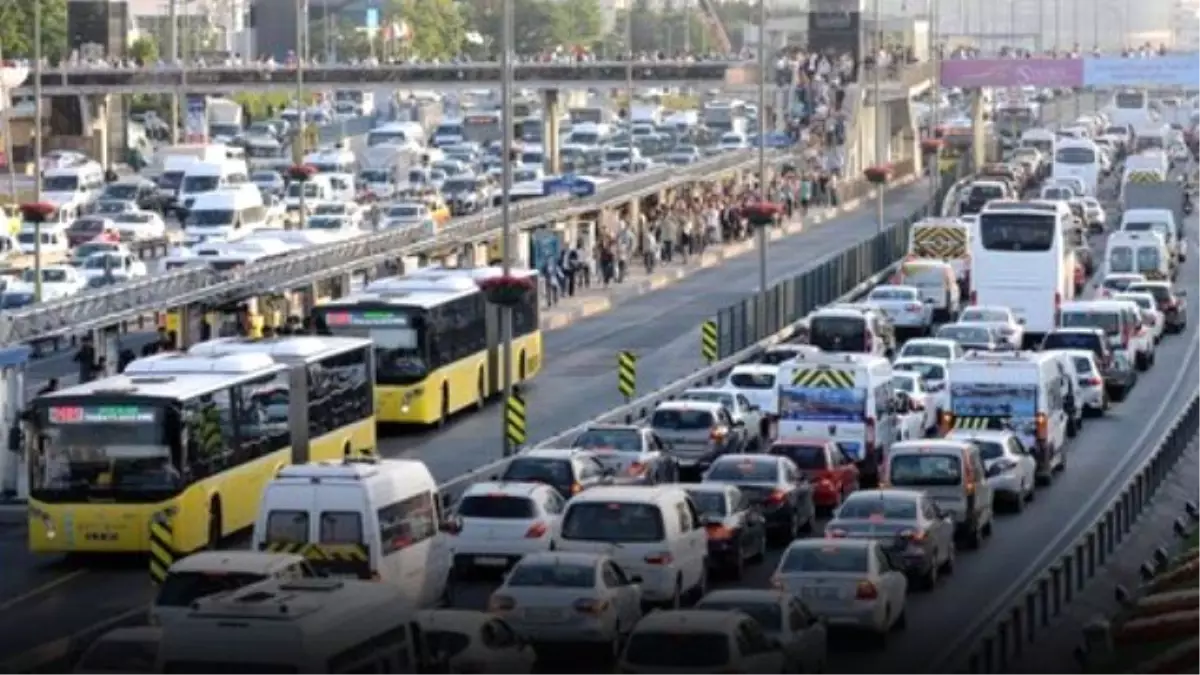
[(948, 564), (1018, 504), (928, 581)]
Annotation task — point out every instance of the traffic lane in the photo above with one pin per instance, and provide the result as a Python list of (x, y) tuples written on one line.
[(578, 378)]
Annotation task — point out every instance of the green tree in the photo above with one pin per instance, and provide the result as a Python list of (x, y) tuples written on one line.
[(538, 25), (16, 28), (438, 29), (144, 50)]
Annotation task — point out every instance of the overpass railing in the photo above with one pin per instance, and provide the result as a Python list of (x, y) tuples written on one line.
[(127, 301)]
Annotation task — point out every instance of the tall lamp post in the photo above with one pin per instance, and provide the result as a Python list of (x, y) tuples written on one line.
[(506, 180), (761, 233), (301, 132), (628, 88), (877, 92), (935, 172), (37, 146)]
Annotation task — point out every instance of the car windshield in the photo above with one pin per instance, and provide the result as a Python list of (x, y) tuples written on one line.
[(925, 469), (752, 380), (558, 575), (980, 314), (929, 349), (829, 557), (628, 440), (988, 449), (879, 505), (805, 455), (739, 470), (684, 650), (498, 506), (613, 521)]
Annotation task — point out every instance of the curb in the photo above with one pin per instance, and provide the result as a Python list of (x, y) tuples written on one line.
[(591, 306)]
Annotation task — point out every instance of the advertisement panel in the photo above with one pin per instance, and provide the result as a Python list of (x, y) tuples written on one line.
[(972, 73), (195, 124), (1174, 70)]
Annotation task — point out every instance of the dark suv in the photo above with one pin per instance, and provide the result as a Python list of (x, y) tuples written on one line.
[(1171, 303), (1117, 379)]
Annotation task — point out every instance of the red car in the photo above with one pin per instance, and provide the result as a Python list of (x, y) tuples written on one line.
[(832, 474)]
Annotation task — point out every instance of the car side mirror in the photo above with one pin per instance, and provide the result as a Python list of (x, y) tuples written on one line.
[(1182, 294), (928, 301), (739, 423)]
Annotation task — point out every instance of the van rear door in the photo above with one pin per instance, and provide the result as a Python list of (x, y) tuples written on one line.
[(942, 474)]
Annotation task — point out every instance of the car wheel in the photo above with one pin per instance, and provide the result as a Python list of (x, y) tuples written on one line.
[(949, 563)]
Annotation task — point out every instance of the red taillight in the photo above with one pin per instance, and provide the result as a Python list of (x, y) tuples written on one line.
[(718, 433), (659, 559), (1093, 381), (589, 606), (866, 591), (718, 532), (776, 498), (637, 469), (536, 531), (1041, 426), (913, 307)]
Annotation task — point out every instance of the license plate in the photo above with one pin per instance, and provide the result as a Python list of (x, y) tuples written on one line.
[(820, 593), (542, 614), (491, 562)]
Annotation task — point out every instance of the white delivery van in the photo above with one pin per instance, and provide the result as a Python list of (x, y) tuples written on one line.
[(365, 517), (1022, 391), (202, 177), (846, 398), (225, 214), (1144, 253)]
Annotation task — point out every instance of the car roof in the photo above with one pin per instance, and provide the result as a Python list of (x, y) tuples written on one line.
[(981, 434), (709, 406), (679, 620), (505, 488), (580, 558), (761, 595)]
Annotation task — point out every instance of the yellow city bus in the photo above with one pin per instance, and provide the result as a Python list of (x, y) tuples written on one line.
[(193, 437), (438, 347)]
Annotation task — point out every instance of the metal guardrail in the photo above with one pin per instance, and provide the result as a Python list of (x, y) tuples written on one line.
[(105, 307), (1000, 637), (850, 283)]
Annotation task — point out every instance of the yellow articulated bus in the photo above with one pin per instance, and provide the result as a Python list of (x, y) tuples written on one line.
[(438, 347), (192, 438)]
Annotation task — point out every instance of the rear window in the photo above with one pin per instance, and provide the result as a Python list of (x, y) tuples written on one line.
[(681, 420), (628, 440), (893, 294), (120, 656), (769, 616), (552, 471), (183, 588), (965, 335), (925, 276), (833, 333), (925, 469), (886, 507), (828, 557), (1120, 259), (498, 506), (287, 527), (752, 380), (709, 503), (1161, 293), (683, 650), (1109, 322), (989, 450), (1083, 366), (744, 470), (1071, 341), (927, 371), (613, 521), (810, 456), (558, 575), (927, 349)]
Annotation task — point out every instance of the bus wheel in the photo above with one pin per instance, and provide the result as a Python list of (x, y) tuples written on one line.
[(521, 367), (445, 417), (214, 524), (480, 394)]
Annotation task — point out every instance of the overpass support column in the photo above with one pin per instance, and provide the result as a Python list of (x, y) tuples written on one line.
[(552, 111), (979, 149), (14, 479)]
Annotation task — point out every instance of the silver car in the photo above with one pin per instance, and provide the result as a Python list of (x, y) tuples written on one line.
[(784, 617), (908, 524), (740, 410), (697, 432), (903, 306), (1008, 465), (559, 597)]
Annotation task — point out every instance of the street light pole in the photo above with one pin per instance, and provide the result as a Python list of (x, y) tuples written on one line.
[(8, 146), (175, 61), (935, 172), (301, 132), (761, 235), (506, 178), (37, 146), (877, 89), (628, 88)]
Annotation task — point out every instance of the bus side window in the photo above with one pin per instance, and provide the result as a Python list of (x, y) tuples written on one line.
[(211, 439)]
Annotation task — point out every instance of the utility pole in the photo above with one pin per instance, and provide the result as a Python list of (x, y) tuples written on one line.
[(877, 92), (628, 84), (37, 146), (761, 234), (506, 178)]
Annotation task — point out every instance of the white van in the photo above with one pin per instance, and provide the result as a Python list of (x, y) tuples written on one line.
[(54, 240), (202, 177), (650, 531), (1159, 221), (210, 572), (409, 134), (950, 471), (318, 188), (1022, 391), (225, 214), (333, 160), (73, 187), (365, 517), (1143, 253)]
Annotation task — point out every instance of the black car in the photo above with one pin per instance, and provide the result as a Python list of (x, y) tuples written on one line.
[(140, 191), (568, 471), (774, 485), (736, 529)]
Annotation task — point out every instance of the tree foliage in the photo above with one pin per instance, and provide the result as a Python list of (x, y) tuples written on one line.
[(144, 50), (674, 29), (16, 29), (438, 28), (538, 25)]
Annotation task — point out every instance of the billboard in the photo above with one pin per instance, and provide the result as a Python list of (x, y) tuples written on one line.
[(973, 73), (1174, 70)]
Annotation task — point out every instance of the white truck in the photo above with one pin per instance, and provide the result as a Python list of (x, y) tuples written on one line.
[(224, 119)]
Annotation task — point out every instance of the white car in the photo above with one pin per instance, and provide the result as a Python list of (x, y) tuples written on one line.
[(1150, 314), (138, 225), (912, 385), (1117, 282), (502, 521), (701, 641), (1011, 327), (1089, 381), (562, 597), (933, 374), (58, 281), (405, 214), (1008, 465), (756, 381), (351, 210), (331, 223), (848, 582), (934, 348), (902, 305), (1094, 213), (116, 264)]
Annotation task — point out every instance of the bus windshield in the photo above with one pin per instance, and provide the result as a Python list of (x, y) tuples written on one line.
[(396, 332), (1017, 232), (110, 450)]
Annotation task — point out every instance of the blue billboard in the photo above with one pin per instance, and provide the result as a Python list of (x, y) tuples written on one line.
[(1173, 70)]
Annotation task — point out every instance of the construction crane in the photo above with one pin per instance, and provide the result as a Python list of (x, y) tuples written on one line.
[(716, 29)]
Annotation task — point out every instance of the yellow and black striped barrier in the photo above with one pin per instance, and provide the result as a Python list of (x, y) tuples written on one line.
[(319, 552), (514, 419), (627, 374), (970, 423), (1144, 177), (708, 341), (162, 548), (823, 378)]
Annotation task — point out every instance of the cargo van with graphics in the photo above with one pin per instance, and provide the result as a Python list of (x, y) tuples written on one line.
[(1021, 391), (944, 239), (853, 329), (846, 398)]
